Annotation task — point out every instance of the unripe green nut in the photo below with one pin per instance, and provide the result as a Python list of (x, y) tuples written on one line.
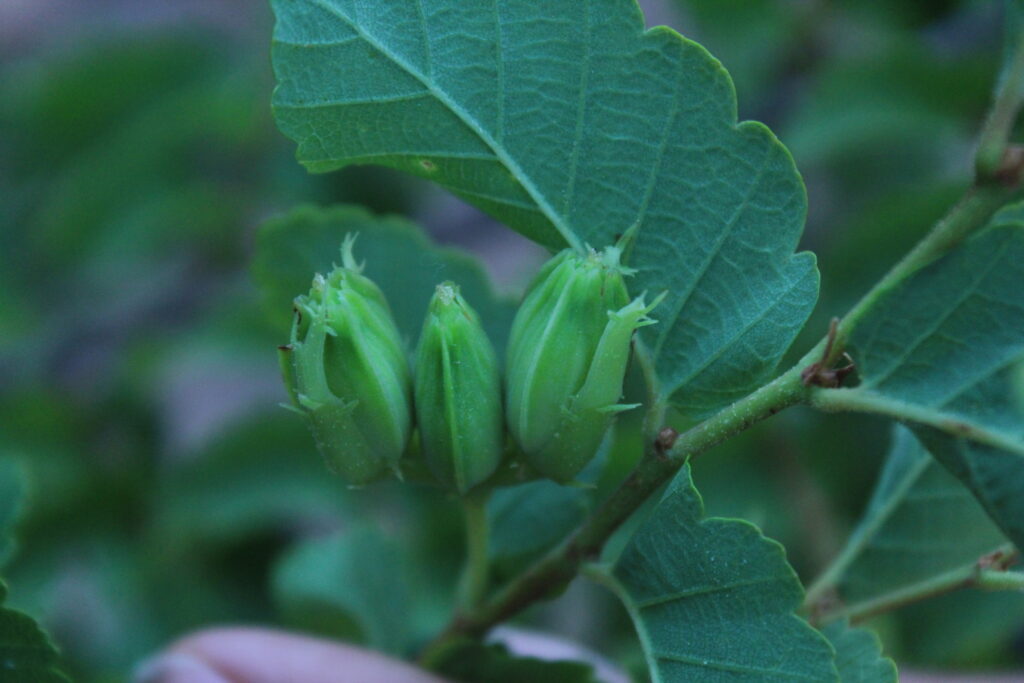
[(346, 370), (567, 358), (458, 393)]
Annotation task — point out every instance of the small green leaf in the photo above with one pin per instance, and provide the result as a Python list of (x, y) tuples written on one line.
[(11, 491), (859, 655), (571, 123), (472, 662), (350, 586), (942, 351), (920, 523), (26, 653), (713, 600), (529, 519), (263, 473), (399, 258)]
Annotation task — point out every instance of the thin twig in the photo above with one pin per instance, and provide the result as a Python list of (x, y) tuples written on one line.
[(988, 573), (993, 160)]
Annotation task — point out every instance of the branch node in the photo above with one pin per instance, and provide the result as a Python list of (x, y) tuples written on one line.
[(819, 373), (997, 560), (666, 439), (1011, 167), (826, 604)]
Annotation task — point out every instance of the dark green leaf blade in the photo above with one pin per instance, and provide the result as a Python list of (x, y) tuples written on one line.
[(528, 519), (571, 123), (944, 351), (26, 653), (920, 523), (261, 473), (11, 491), (398, 256), (682, 569), (859, 655), (350, 586)]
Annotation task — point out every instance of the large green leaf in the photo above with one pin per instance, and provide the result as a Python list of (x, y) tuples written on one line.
[(398, 257), (571, 123), (920, 523), (26, 654), (713, 600), (351, 586), (943, 352), (859, 655)]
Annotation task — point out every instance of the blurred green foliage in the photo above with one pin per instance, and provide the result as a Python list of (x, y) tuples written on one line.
[(138, 387)]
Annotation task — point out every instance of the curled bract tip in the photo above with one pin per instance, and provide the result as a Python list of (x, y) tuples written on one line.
[(347, 258)]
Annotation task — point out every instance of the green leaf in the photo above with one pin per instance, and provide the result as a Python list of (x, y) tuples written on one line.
[(263, 473), (920, 524), (26, 653), (11, 491), (571, 123), (859, 655), (529, 519), (398, 256), (472, 662), (713, 600), (942, 351), (350, 586)]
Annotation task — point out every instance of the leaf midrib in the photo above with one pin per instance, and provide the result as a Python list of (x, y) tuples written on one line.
[(467, 119)]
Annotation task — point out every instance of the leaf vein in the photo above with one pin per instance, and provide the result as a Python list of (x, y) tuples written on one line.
[(703, 590), (727, 346), (716, 248)]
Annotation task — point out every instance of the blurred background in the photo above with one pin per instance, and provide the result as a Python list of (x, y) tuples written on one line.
[(138, 378)]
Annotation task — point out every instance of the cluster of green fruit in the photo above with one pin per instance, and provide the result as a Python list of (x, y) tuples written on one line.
[(347, 371)]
